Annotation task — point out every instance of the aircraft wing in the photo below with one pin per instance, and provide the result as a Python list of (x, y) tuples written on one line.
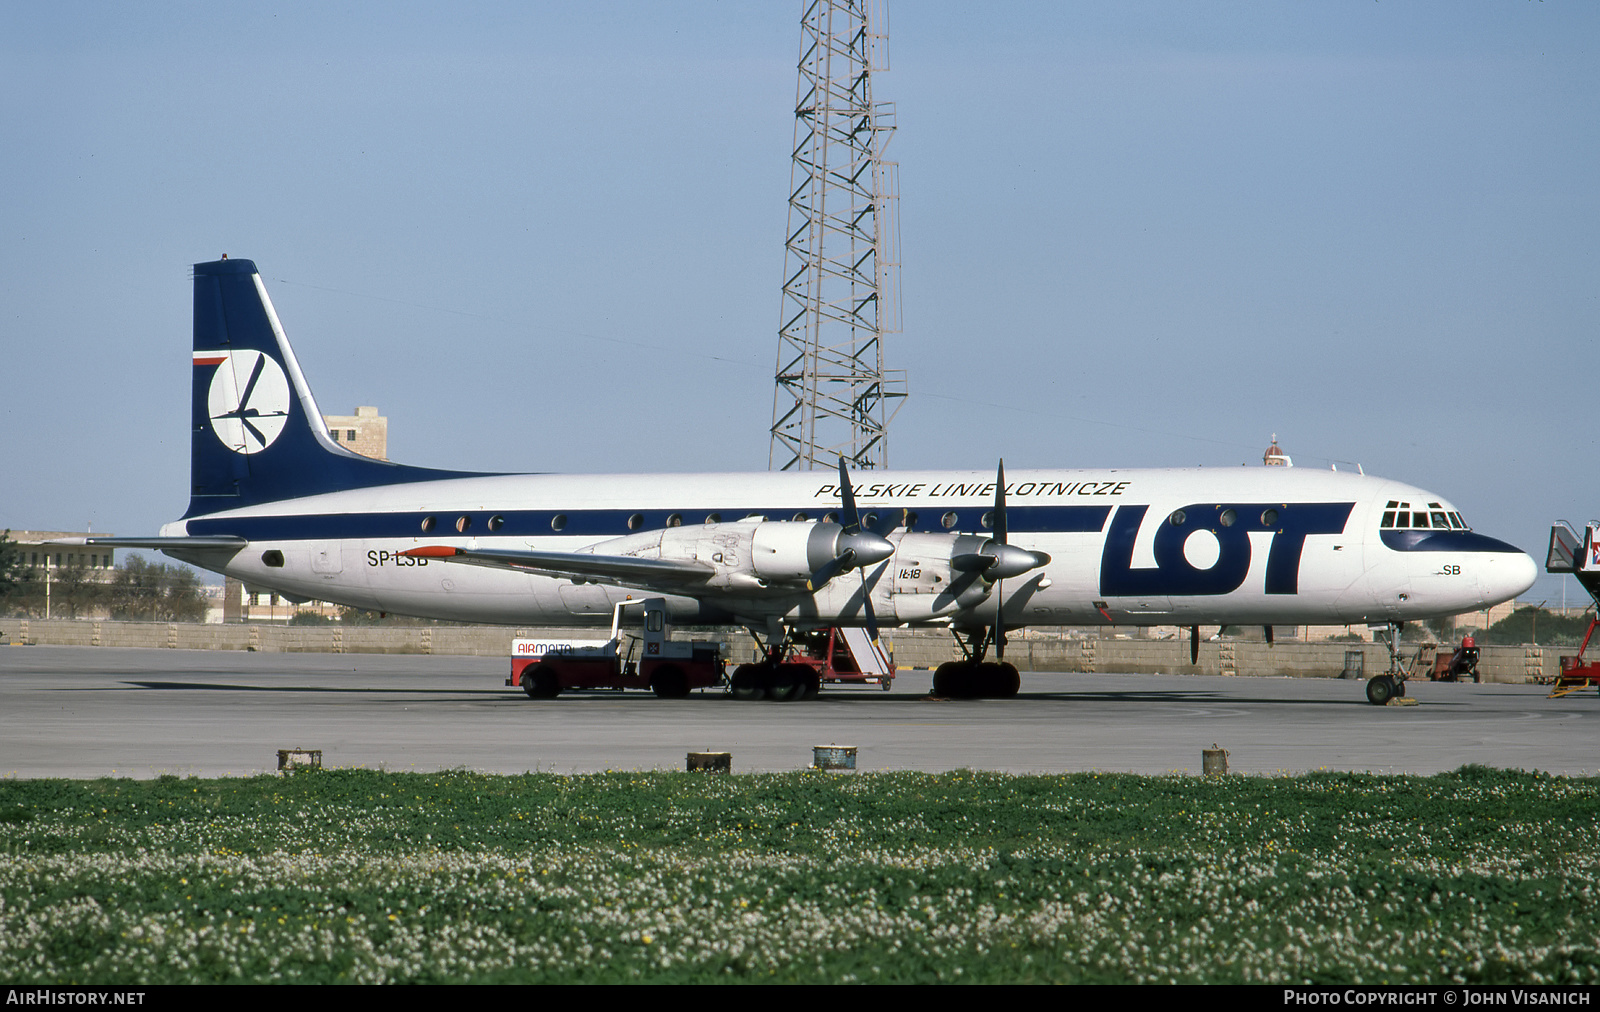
[(670, 575)]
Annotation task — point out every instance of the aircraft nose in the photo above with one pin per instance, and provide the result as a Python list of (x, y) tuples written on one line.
[(1509, 576)]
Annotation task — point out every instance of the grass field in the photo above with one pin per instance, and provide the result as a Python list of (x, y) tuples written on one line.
[(1474, 876)]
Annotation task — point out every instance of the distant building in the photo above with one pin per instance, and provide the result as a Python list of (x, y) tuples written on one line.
[(366, 432), (35, 552), (1275, 457)]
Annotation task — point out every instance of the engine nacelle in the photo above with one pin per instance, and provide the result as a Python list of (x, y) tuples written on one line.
[(790, 551), (742, 556), (926, 586)]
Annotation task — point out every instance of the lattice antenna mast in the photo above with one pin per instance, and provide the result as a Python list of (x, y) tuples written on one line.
[(841, 290)]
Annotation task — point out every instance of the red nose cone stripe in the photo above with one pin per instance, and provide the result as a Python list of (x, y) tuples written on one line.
[(431, 552)]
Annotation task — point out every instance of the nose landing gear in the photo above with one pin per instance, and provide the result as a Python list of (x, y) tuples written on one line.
[(1381, 689)]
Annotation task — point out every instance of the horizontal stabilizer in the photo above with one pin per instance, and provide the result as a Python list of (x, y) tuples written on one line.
[(621, 569), (211, 541)]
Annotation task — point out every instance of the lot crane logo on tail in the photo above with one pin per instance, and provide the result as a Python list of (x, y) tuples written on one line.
[(248, 399)]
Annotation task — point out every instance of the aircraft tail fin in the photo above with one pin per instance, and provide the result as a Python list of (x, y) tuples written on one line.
[(257, 435)]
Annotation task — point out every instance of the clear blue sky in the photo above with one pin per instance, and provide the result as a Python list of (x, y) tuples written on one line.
[(549, 236)]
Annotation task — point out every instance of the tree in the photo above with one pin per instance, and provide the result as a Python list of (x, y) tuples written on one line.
[(1536, 625), (10, 564), (155, 591)]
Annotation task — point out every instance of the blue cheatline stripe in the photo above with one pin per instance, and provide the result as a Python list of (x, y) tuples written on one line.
[(613, 523), (1444, 541)]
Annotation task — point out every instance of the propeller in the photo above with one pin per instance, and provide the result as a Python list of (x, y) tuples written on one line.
[(858, 546), (996, 560)]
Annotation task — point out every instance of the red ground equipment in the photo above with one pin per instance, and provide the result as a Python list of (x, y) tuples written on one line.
[(651, 661), (844, 656), (1459, 666), (1579, 555)]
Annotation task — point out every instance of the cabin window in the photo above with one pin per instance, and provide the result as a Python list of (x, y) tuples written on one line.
[(1178, 518), (800, 518), (462, 523), (496, 522), (870, 520), (1440, 521), (987, 520), (830, 518), (635, 521), (1228, 518), (1388, 519), (949, 520), (911, 518), (1269, 518), (713, 518), (427, 524), (558, 522), (675, 520)]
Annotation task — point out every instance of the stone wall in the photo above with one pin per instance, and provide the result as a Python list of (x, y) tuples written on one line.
[(911, 649)]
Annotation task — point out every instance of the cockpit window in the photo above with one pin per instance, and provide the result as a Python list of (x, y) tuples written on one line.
[(1399, 515)]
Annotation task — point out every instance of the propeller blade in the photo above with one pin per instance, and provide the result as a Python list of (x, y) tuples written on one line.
[(852, 519), (1000, 552), (973, 562), (1194, 644), (889, 522), (866, 606), (1000, 504), (838, 564)]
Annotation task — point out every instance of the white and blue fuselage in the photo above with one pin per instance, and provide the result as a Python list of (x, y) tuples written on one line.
[(1300, 547), (276, 503)]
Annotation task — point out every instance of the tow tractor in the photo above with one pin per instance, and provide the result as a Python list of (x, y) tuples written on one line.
[(1579, 555), (670, 668)]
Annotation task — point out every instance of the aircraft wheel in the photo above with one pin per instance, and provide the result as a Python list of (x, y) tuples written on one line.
[(539, 682), (1379, 689), (669, 682), (1010, 681), (964, 680), (785, 683), (1399, 688), (746, 683), (944, 678)]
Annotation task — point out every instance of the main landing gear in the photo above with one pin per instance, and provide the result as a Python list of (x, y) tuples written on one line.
[(973, 677), (773, 678)]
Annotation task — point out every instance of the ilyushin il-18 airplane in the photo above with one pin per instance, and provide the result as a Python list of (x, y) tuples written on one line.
[(277, 503)]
